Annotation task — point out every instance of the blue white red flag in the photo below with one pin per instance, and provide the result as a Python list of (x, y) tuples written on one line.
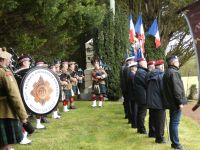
[(132, 30), (139, 54), (132, 51), (153, 30), (139, 29)]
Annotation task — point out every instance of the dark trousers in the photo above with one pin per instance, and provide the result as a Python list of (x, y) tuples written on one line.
[(142, 111), (159, 115), (129, 110), (125, 103), (134, 111), (152, 121)]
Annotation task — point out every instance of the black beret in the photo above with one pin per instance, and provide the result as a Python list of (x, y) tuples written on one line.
[(23, 58), (57, 62)]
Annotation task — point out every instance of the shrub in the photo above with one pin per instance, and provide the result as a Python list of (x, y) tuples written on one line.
[(193, 92)]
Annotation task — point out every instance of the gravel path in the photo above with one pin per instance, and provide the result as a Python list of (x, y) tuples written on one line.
[(187, 111)]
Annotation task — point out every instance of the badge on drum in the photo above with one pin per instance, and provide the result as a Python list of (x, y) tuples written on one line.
[(40, 90)]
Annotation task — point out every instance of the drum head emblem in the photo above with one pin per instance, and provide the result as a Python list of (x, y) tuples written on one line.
[(41, 91)]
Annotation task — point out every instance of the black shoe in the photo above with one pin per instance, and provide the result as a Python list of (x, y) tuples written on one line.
[(44, 120), (177, 147), (161, 141), (142, 132), (59, 114), (151, 135), (72, 107), (133, 126)]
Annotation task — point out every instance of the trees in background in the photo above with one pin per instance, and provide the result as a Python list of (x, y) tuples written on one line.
[(47, 29)]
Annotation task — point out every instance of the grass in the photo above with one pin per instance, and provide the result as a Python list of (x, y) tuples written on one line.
[(104, 128)]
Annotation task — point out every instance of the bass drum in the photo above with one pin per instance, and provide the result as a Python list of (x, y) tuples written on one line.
[(40, 90)]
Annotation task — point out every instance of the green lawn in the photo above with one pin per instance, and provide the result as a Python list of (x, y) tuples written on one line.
[(102, 129)]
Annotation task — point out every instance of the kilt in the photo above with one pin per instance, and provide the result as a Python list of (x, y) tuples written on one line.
[(10, 131), (75, 89), (68, 94), (99, 89)]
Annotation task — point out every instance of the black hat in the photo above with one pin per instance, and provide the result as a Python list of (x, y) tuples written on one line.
[(171, 58), (57, 61), (39, 62), (23, 58), (51, 65)]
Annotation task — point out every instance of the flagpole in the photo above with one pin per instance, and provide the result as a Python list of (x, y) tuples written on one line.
[(112, 6)]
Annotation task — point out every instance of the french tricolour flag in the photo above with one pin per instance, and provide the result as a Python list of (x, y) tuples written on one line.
[(132, 29), (139, 29), (153, 30)]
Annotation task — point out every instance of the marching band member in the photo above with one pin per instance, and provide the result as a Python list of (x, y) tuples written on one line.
[(40, 119), (66, 85), (24, 64), (55, 112), (74, 80), (99, 84)]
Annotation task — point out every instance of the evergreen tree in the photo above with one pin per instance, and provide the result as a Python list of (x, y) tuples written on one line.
[(111, 44)]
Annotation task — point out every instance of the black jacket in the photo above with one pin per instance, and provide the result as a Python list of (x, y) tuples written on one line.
[(130, 83), (139, 86), (173, 88), (123, 79), (122, 84), (154, 80)]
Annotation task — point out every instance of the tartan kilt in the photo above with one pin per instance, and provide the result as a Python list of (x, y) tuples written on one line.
[(68, 94), (99, 89), (10, 131)]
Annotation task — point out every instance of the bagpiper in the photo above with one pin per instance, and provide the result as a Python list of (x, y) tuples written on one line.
[(98, 83)]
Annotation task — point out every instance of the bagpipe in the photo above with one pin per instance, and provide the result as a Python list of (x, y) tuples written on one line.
[(14, 60), (65, 77)]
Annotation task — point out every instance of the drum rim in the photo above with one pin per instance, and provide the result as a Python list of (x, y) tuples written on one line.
[(21, 84)]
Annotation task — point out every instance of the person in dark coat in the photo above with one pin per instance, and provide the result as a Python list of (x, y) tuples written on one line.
[(155, 101), (139, 92), (133, 104), (175, 97), (123, 85), (151, 67)]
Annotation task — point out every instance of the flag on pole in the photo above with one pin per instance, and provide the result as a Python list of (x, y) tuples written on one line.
[(132, 29), (139, 29), (153, 30), (132, 51), (139, 54)]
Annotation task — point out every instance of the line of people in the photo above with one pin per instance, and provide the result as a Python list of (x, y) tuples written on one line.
[(71, 79), (11, 104), (147, 86)]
